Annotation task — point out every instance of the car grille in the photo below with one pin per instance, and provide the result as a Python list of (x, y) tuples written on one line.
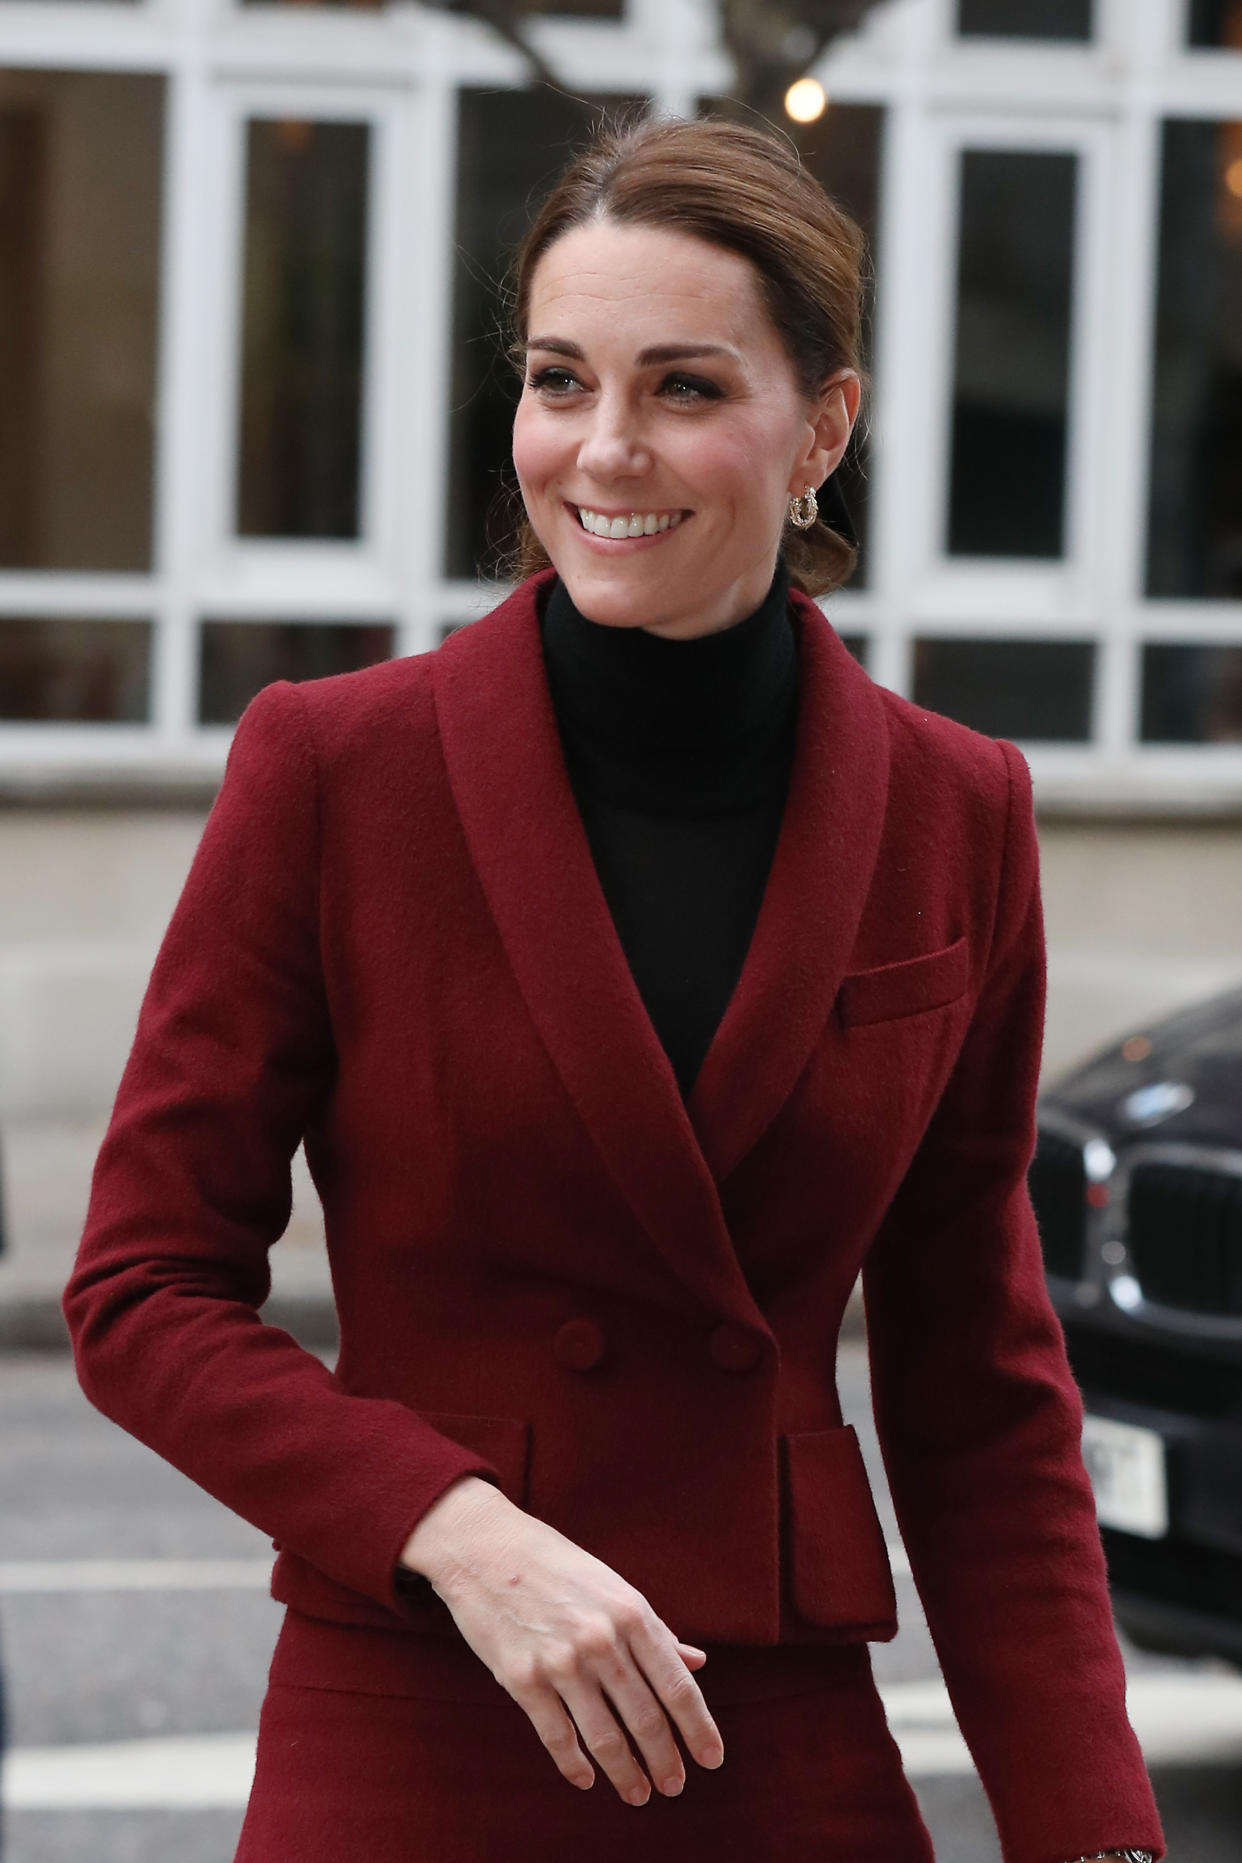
[(1058, 1184), (1185, 1236), (1177, 1572), (1183, 1379)]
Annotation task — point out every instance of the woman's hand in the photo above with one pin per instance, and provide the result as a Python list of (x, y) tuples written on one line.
[(565, 1635)]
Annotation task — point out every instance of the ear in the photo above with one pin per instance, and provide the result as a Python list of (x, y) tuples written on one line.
[(830, 421)]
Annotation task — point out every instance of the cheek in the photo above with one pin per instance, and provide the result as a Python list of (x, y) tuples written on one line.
[(534, 449), (744, 487), (742, 462)]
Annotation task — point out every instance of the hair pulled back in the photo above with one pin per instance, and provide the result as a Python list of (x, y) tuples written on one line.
[(744, 190)]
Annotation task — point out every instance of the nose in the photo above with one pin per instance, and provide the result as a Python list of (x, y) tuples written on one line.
[(613, 446)]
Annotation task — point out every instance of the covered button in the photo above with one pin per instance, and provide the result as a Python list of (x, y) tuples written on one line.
[(733, 1348), (579, 1345)]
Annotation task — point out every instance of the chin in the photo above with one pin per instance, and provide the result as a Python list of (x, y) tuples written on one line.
[(613, 601)]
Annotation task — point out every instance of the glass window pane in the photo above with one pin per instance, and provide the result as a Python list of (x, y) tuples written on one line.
[(582, 9), (74, 672), (80, 171), (238, 658), (511, 146), (1033, 690), (302, 344), (843, 150), (1192, 694), (1011, 373), (1195, 512), (1216, 23), (1025, 19)]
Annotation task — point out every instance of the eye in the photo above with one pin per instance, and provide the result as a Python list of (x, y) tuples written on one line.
[(552, 380), (690, 388)]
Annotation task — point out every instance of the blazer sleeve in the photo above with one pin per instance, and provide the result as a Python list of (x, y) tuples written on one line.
[(980, 1424), (233, 1057)]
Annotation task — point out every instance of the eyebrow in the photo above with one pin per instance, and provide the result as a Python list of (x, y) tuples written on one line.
[(647, 358)]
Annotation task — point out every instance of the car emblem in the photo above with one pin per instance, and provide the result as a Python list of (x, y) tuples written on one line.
[(1147, 1106)]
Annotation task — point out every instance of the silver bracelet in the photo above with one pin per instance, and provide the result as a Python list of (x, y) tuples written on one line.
[(1126, 1856)]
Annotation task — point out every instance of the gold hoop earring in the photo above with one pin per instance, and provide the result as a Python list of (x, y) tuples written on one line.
[(804, 510)]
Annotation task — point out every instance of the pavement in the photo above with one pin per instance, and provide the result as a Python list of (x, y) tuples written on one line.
[(137, 1632), (45, 1174)]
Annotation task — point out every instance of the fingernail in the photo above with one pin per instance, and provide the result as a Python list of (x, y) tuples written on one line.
[(672, 1787), (638, 1795), (713, 1757)]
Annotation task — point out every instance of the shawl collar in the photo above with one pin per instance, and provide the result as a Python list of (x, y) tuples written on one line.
[(508, 777)]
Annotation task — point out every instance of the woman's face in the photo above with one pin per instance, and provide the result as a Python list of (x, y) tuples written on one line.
[(659, 402)]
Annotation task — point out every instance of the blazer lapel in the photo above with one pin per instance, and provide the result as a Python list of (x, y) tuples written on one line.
[(817, 888), (526, 838)]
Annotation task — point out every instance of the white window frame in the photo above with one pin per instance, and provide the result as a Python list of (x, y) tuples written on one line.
[(402, 69), (946, 590), (1108, 100), (251, 574)]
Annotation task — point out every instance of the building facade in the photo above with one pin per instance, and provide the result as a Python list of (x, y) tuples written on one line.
[(254, 402)]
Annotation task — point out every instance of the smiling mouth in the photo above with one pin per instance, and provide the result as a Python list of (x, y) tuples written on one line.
[(631, 524)]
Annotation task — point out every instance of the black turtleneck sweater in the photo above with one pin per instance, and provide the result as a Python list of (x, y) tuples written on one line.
[(679, 753)]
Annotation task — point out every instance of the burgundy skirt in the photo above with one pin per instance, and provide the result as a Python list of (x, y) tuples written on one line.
[(391, 1748)]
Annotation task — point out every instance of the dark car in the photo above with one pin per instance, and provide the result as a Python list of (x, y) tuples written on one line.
[(1137, 1184)]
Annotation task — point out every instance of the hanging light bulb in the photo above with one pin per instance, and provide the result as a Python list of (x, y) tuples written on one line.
[(806, 100)]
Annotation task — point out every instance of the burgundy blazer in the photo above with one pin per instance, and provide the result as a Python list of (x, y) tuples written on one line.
[(551, 1270)]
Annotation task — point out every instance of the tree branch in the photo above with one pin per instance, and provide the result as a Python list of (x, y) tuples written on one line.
[(508, 21), (769, 41), (772, 42)]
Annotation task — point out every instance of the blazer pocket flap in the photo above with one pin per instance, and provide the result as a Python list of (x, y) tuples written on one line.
[(838, 1560), (502, 1441), (904, 989)]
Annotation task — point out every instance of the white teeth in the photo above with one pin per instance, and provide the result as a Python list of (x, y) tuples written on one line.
[(637, 524)]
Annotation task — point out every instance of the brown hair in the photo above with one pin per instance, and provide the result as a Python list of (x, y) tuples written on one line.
[(744, 190)]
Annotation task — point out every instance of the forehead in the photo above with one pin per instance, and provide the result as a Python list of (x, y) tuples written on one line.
[(649, 282)]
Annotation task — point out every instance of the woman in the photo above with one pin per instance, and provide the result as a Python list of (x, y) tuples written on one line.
[(635, 971)]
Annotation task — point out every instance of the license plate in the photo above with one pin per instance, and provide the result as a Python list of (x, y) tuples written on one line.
[(1127, 1470)]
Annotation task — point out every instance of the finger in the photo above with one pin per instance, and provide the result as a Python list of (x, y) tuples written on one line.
[(546, 1713), (680, 1696), (641, 1713), (602, 1733), (692, 1657)]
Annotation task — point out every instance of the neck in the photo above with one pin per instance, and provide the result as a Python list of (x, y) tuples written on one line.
[(688, 726)]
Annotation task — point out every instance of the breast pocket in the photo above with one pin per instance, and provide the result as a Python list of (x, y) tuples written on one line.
[(908, 988)]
